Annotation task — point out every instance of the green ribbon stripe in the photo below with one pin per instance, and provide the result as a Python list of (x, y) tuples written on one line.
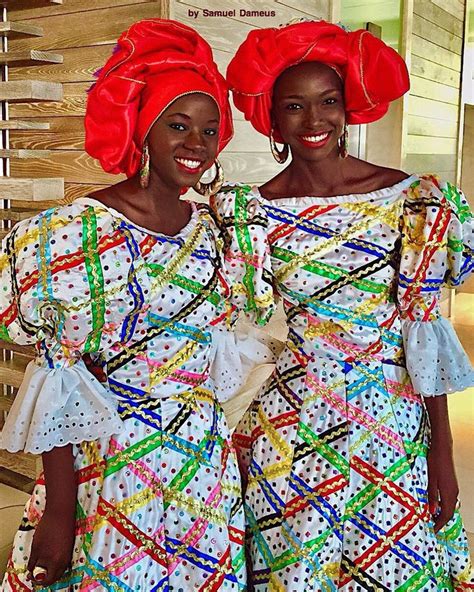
[(328, 271), (245, 243), (184, 282), (95, 279)]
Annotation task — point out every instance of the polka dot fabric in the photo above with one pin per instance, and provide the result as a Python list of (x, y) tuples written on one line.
[(334, 446), (437, 245), (159, 500)]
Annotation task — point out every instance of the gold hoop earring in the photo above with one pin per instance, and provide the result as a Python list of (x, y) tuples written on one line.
[(281, 156), (208, 189), (344, 142), (145, 167)]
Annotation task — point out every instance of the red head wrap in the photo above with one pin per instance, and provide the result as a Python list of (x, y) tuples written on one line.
[(155, 62), (373, 73)]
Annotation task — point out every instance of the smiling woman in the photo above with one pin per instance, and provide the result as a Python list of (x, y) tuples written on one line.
[(140, 489), (347, 451), (183, 142), (308, 103)]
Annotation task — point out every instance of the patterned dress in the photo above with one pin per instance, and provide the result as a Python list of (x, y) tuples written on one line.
[(334, 447), (159, 501)]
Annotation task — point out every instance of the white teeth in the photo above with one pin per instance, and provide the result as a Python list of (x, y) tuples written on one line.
[(316, 138), (192, 164)]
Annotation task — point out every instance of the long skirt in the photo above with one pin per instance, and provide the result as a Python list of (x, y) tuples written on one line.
[(159, 507), (336, 492)]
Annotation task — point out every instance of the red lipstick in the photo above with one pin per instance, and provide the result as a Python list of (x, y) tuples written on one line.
[(314, 142), (187, 165)]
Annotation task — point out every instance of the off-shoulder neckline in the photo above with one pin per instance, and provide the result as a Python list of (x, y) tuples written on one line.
[(115, 213), (383, 193)]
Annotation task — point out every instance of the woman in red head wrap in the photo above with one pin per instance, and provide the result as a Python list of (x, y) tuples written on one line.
[(346, 451), (141, 489)]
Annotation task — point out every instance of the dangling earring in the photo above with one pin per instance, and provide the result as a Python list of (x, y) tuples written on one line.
[(280, 156), (208, 189), (145, 167), (344, 143)]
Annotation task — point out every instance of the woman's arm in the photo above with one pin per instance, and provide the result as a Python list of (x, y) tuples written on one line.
[(443, 488), (53, 541)]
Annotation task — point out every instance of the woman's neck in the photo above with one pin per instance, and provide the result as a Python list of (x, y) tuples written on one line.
[(157, 207), (317, 177), (330, 177), (302, 178)]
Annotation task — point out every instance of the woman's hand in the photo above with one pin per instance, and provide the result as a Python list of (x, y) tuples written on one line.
[(443, 487), (53, 541), (52, 546), (94, 368)]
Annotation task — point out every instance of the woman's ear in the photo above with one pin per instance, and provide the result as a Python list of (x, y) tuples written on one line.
[(272, 118), (274, 127)]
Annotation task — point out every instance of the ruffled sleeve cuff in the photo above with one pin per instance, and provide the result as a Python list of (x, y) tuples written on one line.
[(55, 407), (236, 354), (436, 361)]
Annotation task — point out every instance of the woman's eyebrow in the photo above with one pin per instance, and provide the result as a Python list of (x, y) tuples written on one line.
[(213, 120)]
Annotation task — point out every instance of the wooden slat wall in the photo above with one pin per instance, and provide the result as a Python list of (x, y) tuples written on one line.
[(247, 158), (467, 179), (84, 33), (432, 114)]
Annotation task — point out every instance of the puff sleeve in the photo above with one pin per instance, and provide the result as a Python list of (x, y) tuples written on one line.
[(436, 251), (243, 344), (61, 292), (247, 262)]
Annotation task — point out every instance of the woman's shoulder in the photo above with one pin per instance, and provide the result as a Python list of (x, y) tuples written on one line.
[(206, 216), (68, 254), (389, 177), (431, 190), (366, 177), (71, 215), (59, 231), (420, 190)]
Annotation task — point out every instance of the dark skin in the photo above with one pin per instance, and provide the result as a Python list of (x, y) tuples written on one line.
[(308, 100), (187, 129), (183, 143), (308, 104), (53, 540)]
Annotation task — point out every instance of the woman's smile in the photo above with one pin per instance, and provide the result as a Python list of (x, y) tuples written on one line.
[(315, 140), (189, 165)]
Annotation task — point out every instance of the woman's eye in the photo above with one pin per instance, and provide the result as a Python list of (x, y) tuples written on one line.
[(330, 101), (293, 107), (178, 126), (210, 132)]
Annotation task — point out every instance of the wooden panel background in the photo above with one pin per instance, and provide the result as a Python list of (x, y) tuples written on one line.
[(355, 14), (84, 33), (432, 113), (247, 157), (467, 179)]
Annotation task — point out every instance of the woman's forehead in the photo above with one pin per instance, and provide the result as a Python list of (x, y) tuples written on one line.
[(193, 101), (308, 76)]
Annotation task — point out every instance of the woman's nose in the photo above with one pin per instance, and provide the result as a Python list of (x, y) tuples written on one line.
[(313, 116), (194, 139)]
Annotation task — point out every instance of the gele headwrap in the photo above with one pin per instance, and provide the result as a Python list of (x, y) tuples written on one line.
[(155, 62), (373, 73)]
